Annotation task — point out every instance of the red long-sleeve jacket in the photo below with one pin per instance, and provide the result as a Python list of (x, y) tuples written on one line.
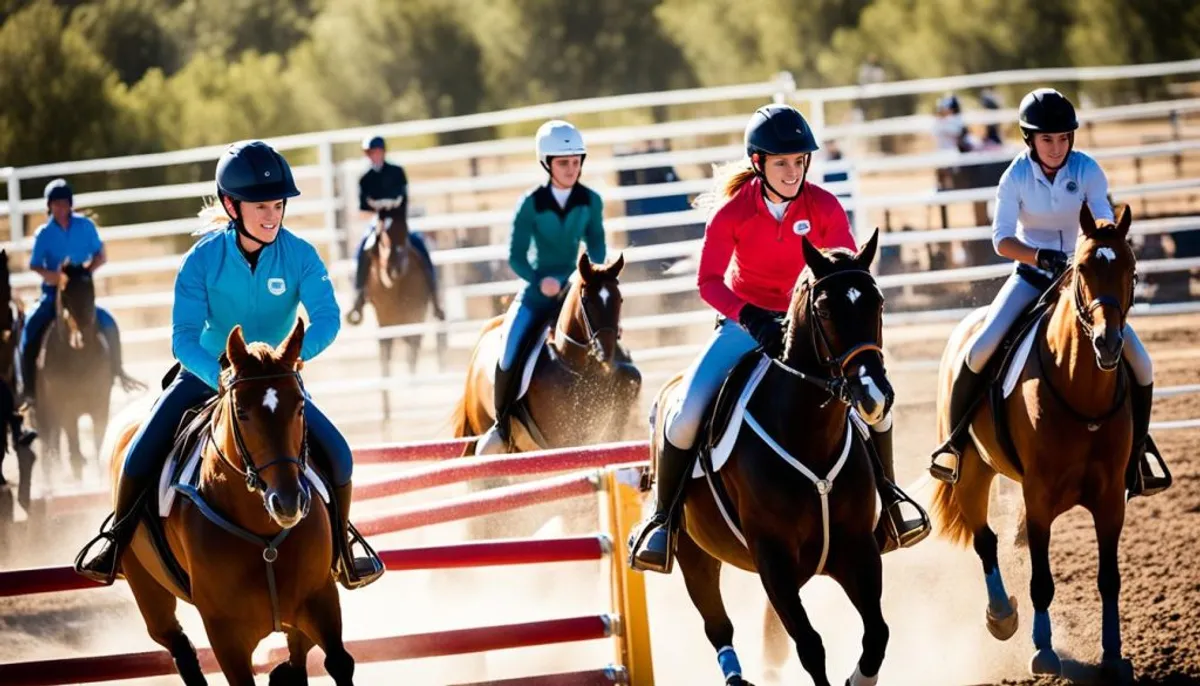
[(750, 257)]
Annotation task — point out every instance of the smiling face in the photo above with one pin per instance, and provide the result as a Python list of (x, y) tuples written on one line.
[(784, 173), (1052, 148), (260, 219)]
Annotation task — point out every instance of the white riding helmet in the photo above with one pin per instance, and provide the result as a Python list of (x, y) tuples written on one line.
[(557, 138)]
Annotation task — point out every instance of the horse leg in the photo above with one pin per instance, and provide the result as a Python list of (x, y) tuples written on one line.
[(1041, 584), (1109, 520), (775, 646), (779, 570), (702, 577), (157, 606), (971, 493), (861, 577), (233, 650), (385, 372), (414, 353), (72, 429), (294, 672), (322, 622)]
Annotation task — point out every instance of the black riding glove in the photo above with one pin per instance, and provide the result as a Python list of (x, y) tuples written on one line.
[(1053, 261), (765, 326)]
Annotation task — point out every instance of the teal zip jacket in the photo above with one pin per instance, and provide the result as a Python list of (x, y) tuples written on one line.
[(216, 290), (555, 233)]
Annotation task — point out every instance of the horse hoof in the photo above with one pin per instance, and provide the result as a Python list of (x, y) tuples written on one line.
[(1117, 671), (285, 674), (1002, 627), (1045, 661)]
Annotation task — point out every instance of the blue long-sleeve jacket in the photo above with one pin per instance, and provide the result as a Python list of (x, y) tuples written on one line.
[(216, 290)]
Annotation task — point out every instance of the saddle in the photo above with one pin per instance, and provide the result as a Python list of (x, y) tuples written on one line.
[(1005, 366)]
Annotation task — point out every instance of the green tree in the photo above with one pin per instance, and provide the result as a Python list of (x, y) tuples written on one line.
[(130, 35), (231, 27), (59, 95)]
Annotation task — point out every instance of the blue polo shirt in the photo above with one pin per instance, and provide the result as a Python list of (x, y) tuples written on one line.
[(53, 244)]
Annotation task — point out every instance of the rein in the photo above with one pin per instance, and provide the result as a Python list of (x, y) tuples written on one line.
[(592, 344)]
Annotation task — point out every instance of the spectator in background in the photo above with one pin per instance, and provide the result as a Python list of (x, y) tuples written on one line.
[(833, 153)]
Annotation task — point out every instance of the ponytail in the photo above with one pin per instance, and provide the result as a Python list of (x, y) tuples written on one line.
[(728, 179)]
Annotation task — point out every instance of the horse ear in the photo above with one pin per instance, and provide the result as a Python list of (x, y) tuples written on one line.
[(814, 258), (1086, 221), (866, 256), (289, 349), (1125, 220), (615, 268), (585, 266), (235, 348)]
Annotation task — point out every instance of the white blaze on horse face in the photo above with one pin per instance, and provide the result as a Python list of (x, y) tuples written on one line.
[(1106, 253), (854, 295), (271, 399), (604, 296)]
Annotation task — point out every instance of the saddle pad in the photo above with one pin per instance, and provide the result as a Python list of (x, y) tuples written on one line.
[(189, 475), (724, 447), (528, 364), (1016, 362)]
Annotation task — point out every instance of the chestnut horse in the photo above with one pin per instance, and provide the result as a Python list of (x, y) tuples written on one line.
[(584, 391), (252, 474), (397, 288), (1071, 426), (799, 481)]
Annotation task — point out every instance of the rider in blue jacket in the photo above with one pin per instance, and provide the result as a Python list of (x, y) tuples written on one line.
[(253, 272), (66, 235)]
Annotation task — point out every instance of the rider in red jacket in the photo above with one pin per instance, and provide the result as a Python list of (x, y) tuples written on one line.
[(749, 265)]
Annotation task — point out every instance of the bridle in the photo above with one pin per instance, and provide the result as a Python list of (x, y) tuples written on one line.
[(248, 470), (592, 344), (837, 383), (1083, 314)]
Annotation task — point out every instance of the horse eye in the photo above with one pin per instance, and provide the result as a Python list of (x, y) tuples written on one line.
[(243, 415)]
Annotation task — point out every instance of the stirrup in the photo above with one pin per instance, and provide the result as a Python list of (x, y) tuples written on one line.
[(942, 472), (901, 532), (85, 569), (640, 537), (356, 572), (1152, 481)]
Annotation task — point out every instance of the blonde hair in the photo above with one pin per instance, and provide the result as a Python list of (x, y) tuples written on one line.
[(728, 179), (213, 217)]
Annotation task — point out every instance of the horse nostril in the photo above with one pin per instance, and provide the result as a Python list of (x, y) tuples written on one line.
[(273, 503)]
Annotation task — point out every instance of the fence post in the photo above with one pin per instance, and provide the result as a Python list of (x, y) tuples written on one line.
[(329, 193), (16, 221), (628, 586)]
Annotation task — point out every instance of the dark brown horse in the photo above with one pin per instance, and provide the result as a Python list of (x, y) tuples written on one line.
[(583, 390), (12, 324), (799, 482), (397, 288), (74, 370), (1071, 426), (251, 473)]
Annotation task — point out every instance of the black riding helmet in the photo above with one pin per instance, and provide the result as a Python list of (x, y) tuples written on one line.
[(778, 130), (58, 189), (1045, 110), (252, 171)]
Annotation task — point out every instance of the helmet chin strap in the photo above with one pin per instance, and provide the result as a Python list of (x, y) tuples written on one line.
[(760, 173), (240, 225)]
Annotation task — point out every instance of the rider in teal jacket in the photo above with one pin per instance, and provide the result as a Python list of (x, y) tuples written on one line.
[(255, 273)]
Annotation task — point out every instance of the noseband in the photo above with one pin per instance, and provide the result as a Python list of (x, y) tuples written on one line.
[(1084, 313), (837, 384)]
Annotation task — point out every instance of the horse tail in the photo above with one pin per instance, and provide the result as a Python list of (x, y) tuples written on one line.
[(949, 517)]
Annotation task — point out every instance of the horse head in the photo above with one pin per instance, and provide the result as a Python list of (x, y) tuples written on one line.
[(392, 244), (836, 324), (1102, 285), (76, 302), (591, 313), (261, 430)]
